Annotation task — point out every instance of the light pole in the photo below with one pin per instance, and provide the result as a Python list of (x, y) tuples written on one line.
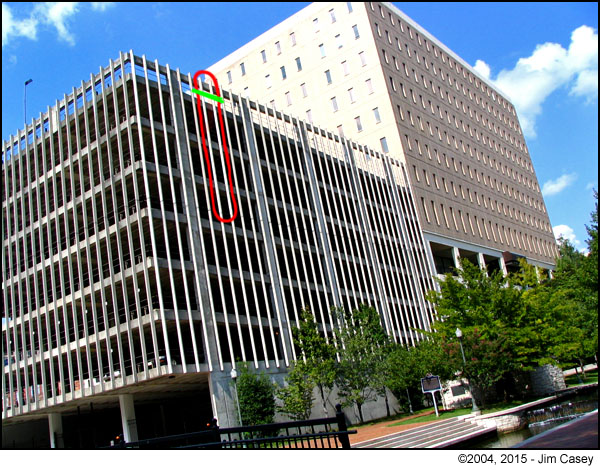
[(237, 400), (475, 410), (25, 101)]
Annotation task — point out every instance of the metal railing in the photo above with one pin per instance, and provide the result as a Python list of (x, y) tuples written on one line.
[(322, 433)]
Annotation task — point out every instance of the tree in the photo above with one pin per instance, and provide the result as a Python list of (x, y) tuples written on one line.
[(317, 355), (297, 397), (488, 310), (255, 396), (407, 366), (360, 376)]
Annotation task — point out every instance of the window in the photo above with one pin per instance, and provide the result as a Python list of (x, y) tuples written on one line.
[(322, 49), (293, 39), (246, 92), (359, 127), (243, 69), (355, 29), (328, 77), (345, 68), (263, 55), (316, 25), (283, 74), (309, 116), (278, 47), (303, 88), (334, 104), (351, 95), (340, 130), (349, 5), (332, 15), (363, 58), (268, 81), (384, 145), (377, 116), (369, 85), (288, 98), (229, 80), (298, 64), (338, 41)]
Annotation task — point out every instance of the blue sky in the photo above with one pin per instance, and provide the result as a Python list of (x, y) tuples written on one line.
[(543, 55)]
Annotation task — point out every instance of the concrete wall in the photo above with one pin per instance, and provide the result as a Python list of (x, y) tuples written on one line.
[(547, 379)]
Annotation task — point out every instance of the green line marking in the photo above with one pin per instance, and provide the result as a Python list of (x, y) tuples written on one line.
[(208, 95)]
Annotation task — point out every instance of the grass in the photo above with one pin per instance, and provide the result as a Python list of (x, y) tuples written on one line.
[(432, 417), (591, 377)]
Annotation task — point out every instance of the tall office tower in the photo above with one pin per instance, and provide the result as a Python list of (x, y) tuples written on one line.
[(126, 302), (375, 75)]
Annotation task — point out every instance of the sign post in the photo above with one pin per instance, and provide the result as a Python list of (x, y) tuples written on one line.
[(431, 384)]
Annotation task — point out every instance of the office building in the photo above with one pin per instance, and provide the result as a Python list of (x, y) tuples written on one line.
[(373, 74)]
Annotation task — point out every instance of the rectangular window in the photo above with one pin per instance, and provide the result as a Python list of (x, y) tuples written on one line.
[(355, 29), (268, 81), (316, 25), (332, 15), (340, 130), (278, 47), (338, 41), (377, 116), (304, 91), (283, 74), (363, 58), (359, 127), (345, 68), (334, 104), (309, 116), (349, 5), (369, 85), (293, 39), (328, 77), (229, 80), (263, 55), (243, 69), (351, 95), (322, 50), (288, 98), (384, 145), (298, 64)]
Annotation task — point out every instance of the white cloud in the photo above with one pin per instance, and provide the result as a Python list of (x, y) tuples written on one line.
[(56, 15), (11, 27), (547, 69), (102, 6), (565, 232), (482, 68), (552, 187)]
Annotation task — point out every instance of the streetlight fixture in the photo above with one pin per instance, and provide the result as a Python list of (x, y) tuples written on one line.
[(25, 101), (475, 410), (234, 376)]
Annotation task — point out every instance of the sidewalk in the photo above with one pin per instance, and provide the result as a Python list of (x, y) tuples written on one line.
[(372, 431)]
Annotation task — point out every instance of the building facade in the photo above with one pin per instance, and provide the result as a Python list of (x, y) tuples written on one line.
[(375, 75), (126, 303)]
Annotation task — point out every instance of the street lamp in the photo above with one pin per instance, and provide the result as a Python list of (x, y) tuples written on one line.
[(475, 410), (237, 400), (25, 101)]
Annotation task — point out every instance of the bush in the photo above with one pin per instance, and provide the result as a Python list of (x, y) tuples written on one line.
[(256, 397)]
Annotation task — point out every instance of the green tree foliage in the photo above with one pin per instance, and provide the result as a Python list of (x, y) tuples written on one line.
[(256, 397), (407, 366), (317, 355), (297, 397), (360, 376)]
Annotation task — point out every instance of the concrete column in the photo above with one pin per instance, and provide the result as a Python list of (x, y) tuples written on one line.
[(223, 398), (503, 265), (128, 422), (481, 262), (456, 256), (56, 431)]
